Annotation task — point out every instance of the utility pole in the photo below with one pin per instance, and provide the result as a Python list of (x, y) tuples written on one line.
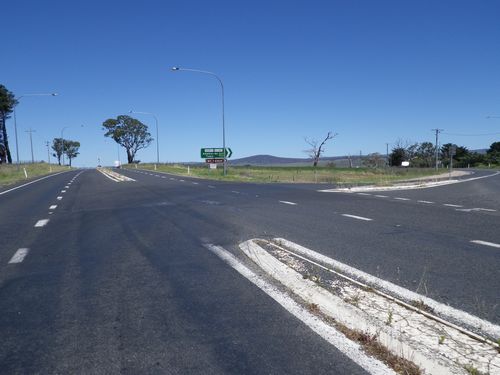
[(387, 153), (48, 151), (437, 140), (47, 143), (31, 142)]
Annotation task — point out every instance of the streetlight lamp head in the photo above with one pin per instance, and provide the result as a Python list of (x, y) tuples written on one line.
[(130, 111), (54, 94), (175, 68)]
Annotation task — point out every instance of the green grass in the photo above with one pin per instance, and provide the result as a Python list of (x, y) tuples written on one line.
[(339, 176), (9, 174)]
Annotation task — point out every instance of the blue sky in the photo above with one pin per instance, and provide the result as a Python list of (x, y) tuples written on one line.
[(371, 71)]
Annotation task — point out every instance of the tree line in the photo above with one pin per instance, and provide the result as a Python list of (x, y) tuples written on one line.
[(424, 155)]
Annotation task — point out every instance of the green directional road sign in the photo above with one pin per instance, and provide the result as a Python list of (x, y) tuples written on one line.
[(215, 153)]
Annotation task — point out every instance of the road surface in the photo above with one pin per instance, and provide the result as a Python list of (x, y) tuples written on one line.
[(100, 276)]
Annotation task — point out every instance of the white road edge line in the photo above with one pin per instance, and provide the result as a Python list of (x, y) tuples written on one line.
[(352, 350), (357, 217), (29, 183), (53, 207), (19, 256), (41, 223), (486, 243), (290, 203)]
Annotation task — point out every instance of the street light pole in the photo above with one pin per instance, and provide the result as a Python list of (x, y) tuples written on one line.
[(62, 143), (15, 122), (157, 141), (175, 68)]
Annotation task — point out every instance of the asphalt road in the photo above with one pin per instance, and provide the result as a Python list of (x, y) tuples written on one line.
[(118, 280)]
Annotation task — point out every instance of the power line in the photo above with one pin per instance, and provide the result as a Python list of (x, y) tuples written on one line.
[(472, 135)]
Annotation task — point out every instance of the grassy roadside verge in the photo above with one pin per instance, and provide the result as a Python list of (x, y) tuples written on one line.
[(338, 176), (10, 175)]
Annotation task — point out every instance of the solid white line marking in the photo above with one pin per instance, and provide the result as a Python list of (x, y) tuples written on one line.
[(290, 203), (363, 194), (53, 207), (41, 223), (492, 244), (357, 217), (59, 198), (352, 350), (29, 183), (402, 199), (381, 196), (427, 202), (19, 256), (452, 205)]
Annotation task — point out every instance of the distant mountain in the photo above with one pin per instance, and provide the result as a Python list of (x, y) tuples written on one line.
[(270, 160)]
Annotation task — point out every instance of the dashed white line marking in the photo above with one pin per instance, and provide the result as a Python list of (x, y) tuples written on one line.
[(402, 199), (59, 198), (357, 217), (381, 196), (427, 202), (195, 183), (63, 191), (211, 187), (363, 194), (236, 192), (19, 256), (53, 207), (290, 203), (452, 205), (485, 209), (41, 223), (163, 177), (181, 180), (486, 243), (172, 179)]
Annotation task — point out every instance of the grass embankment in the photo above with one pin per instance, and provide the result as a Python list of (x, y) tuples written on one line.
[(338, 176), (9, 173)]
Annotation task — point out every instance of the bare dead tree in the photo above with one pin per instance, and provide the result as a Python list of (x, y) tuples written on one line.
[(317, 148)]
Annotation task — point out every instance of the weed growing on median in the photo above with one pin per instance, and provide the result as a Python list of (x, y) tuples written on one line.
[(354, 300), (441, 340), (472, 370), (313, 307), (389, 318)]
